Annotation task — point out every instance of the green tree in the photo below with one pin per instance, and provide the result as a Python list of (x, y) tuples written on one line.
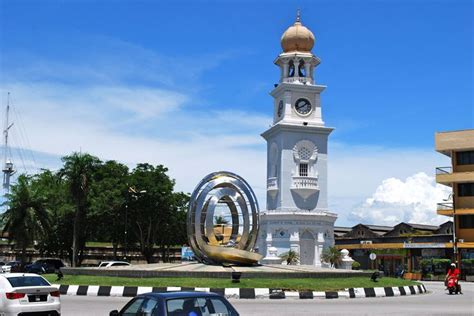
[(291, 257), (78, 171), (174, 233), (108, 201), (220, 220), (58, 241), (26, 217), (332, 255), (151, 211)]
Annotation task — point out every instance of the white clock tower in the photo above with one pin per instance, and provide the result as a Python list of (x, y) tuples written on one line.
[(297, 216)]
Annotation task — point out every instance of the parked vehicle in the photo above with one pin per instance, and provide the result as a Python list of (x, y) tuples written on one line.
[(108, 264), (177, 304), (13, 266), (27, 293), (37, 267), (50, 265)]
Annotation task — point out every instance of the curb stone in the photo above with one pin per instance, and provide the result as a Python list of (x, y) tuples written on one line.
[(242, 293)]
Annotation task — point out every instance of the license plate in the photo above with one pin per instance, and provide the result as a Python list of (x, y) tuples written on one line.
[(37, 298)]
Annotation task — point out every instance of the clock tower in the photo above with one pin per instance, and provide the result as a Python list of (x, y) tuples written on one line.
[(297, 215)]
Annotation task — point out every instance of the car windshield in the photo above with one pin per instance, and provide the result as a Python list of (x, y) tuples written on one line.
[(27, 281)]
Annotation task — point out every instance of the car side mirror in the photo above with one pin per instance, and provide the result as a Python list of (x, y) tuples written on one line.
[(114, 313)]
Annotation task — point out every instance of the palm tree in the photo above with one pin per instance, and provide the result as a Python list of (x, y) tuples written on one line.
[(78, 170), (291, 257), (220, 220), (332, 255), (27, 217)]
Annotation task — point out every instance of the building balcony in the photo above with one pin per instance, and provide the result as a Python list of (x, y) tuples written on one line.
[(305, 186), (303, 80), (272, 186), (446, 176), (446, 209)]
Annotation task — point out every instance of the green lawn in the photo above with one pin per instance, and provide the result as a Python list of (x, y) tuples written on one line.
[(321, 284)]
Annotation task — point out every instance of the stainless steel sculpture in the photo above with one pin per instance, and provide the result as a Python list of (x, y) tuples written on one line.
[(223, 188)]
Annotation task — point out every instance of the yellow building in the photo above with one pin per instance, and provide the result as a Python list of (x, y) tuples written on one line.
[(459, 146)]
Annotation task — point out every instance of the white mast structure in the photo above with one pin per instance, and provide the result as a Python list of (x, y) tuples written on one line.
[(8, 167)]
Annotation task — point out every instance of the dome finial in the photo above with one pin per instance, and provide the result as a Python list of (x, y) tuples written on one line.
[(298, 15)]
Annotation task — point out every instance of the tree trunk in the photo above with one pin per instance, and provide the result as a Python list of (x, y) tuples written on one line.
[(76, 234), (23, 253)]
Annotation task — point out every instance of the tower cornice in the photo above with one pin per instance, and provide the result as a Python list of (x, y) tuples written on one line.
[(279, 127), (297, 87)]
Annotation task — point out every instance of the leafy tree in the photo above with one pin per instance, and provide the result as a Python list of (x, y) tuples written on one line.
[(291, 257), (332, 255), (58, 241), (78, 172), (151, 211), (108, 201), (27, 216), (220, 220), (174, 233)]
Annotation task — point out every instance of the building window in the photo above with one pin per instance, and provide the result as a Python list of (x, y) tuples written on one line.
[(303, 169), (305, 153), (465, 157), (466, 221), (465, 189)]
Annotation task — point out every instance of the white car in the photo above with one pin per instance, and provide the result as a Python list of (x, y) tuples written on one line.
[(108, 264), (24, 293)]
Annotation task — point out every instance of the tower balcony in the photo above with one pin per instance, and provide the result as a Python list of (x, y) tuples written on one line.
[(304, 186), (446, 176), (303, 80), (272, 186)]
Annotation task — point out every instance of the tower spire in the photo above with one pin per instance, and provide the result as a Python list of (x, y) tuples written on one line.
[(298, 16)]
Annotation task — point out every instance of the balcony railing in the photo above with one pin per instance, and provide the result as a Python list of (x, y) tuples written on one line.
[(298, 79), (445, 206), (272, 186), (305, 183), (444, 170), (305, 186)]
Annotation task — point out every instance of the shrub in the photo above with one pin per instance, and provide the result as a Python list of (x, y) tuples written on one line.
[(355, 265)]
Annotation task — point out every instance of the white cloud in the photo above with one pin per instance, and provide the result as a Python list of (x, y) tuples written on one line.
[(413, 200)]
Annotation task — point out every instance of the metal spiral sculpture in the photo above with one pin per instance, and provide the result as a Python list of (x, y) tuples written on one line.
[(223, 188)]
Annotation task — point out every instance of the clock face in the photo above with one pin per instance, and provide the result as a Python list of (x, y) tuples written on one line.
[(280, 109), (303, 107)]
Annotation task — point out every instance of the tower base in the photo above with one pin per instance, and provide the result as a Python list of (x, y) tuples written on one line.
[(307, 233)]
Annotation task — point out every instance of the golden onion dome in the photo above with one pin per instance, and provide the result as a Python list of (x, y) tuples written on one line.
[(297, 38)]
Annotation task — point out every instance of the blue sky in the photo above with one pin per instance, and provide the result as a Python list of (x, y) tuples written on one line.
[(186, 84)]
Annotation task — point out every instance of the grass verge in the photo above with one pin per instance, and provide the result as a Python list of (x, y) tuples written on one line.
[(319, 284)]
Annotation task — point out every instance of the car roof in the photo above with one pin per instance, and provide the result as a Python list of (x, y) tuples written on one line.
[(180, 294), (19, 274), (113, 262)]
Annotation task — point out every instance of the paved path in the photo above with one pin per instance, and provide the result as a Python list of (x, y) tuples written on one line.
[(437, 302)]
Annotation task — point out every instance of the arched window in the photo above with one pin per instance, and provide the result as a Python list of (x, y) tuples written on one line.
[(301, 69), (291, 69), (305, 154)]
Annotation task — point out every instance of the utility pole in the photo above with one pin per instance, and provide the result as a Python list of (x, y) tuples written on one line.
[(8, 165)]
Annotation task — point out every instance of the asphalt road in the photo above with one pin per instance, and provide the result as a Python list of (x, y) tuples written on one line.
[(436, 302)]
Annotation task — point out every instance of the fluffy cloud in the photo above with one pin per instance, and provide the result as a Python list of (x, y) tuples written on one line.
[(413, 200)]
